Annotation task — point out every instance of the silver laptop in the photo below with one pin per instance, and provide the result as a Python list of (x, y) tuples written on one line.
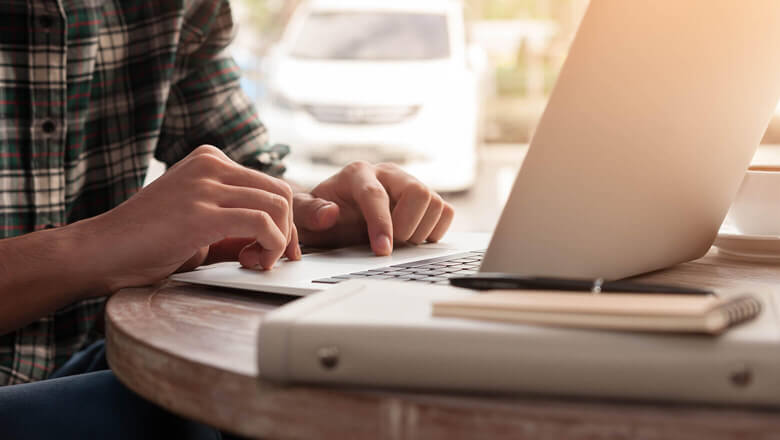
[(656, 114)]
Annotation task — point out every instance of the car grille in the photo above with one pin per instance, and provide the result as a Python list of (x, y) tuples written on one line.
[(335, 114), (341, 155)]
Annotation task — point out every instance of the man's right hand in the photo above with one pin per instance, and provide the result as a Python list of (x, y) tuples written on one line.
[(206, 208)]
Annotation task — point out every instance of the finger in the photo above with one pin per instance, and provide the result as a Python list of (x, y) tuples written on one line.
[(313, 213), (291, 225), (208, 150), (278, 207), (293, 251), (238, 183), (374, 204), (411, 196), (196, 260), (409, 210), (241, 222), (292, 241), (227, 249), (250, 255), (429, 220), (237, 175), (215, 164), (447, 214)]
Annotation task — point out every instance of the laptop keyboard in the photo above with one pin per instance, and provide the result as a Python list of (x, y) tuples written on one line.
[(433, 270)]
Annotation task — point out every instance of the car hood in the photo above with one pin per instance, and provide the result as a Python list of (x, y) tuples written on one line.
[(366, 83)]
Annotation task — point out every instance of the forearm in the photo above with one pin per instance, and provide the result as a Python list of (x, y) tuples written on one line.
[(43, 271)]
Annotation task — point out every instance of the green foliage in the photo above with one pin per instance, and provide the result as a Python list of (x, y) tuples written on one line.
[(512, 9), (512, 80), (263, 14)]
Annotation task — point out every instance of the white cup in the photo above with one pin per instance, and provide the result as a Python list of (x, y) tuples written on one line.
[(756, 209)]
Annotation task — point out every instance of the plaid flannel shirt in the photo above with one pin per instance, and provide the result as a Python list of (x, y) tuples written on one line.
[(89, 91)]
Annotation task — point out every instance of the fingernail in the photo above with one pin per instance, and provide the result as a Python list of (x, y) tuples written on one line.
[(321, 211), (383, 245), (250, 258)]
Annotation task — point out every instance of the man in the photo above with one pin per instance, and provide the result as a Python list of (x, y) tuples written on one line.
[(89, 91)]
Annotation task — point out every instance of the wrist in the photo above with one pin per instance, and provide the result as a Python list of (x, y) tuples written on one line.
[(43, 271), (82, 259), (91, 268)]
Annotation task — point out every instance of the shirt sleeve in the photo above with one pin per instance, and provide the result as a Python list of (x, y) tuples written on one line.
[(206, 104)]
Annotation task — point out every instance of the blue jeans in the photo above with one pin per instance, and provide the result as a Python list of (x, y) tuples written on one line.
[(84, 400)]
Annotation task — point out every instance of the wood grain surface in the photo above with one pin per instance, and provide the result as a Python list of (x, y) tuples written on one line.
[(193, 350)]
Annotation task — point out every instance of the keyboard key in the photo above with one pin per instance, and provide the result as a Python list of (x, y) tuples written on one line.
[(348, 276), (466, 259), (410, 277), (432, 272), (369, 272), (435, 279), (433, 266), (328, 281), (410, 270), (403, 265), (431, 260), (437, 265), (452, 269)]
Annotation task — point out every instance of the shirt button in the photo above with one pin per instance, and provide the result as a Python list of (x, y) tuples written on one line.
[(46, 21), (48, 126)]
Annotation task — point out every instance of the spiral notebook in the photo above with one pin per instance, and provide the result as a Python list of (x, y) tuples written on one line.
[(708, 314)]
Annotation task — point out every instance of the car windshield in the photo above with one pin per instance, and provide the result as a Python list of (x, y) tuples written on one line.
[(369, 36)]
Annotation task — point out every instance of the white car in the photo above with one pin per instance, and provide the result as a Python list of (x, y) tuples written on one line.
[(382, 81)]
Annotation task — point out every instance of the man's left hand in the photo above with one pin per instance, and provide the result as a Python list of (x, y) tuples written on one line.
[(380, 204)]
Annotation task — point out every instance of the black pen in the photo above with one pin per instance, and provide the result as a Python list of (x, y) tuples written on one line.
[(488, 281)]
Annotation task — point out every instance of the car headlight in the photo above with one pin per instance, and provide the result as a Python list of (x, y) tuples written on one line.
[(283, 102)]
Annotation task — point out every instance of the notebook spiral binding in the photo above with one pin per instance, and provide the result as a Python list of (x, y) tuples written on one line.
[(742, 309)]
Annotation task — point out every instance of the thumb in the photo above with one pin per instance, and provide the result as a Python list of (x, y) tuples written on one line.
[(313, 213)]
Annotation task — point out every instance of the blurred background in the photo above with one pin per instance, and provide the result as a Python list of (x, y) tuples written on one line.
[(518, 45), (451, 90)]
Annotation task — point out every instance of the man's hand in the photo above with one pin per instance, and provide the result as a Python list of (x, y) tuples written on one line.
[(380, 204), (205, 209)]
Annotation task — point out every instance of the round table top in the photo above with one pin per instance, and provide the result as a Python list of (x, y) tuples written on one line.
[(192, 350)]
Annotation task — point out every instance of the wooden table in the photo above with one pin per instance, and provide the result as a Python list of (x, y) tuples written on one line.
[(192, 350)]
